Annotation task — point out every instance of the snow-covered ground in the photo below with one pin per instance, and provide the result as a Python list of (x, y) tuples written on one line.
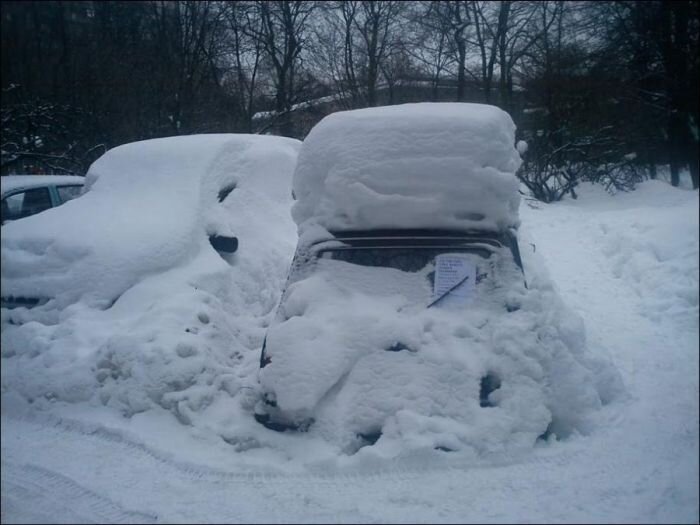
[(627, 264)]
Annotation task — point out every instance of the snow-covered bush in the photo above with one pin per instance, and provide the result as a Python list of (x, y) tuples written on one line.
[(555, 164)]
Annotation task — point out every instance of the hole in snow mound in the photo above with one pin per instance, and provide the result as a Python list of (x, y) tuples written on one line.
[(223, 243), (370, 438), (397, 347), (489, 383), (224, 192)]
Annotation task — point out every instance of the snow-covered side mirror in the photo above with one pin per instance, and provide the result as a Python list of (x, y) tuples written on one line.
[(224, 244)]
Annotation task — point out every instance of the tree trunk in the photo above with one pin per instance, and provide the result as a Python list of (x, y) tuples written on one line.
[(675, 39), (694, 176), (461, 80), (503, 65)]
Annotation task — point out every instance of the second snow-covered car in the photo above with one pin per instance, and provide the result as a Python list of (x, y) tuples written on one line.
[(406, 319)]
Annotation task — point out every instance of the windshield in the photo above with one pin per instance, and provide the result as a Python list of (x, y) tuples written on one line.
[(407, 259), (426, 270)]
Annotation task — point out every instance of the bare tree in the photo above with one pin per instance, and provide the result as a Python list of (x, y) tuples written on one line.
[(449, 22), (246, 52), (376, 23), (367, 32), (429, 44), (336, 48), (189, 33), (283, 32)]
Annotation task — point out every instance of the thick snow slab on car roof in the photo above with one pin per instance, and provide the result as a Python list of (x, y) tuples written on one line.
[(427, 165), (148, 206)]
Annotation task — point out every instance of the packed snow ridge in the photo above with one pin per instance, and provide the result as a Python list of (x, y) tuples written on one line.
[(440, 165)]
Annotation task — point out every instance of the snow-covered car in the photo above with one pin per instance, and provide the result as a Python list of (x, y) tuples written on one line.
[(143, 305), (436, 269), (25, 195), (147, 206), (406, 316)]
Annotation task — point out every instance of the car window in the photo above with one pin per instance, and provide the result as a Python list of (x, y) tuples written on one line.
[(417, 260), (12, 206), (25, 203), (405, 259), (67, 193)]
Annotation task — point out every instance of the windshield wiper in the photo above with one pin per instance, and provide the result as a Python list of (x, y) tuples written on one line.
[(448, 291)]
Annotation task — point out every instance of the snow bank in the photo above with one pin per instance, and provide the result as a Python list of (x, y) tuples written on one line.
[(145, 313), (650, 246), (421, 165)]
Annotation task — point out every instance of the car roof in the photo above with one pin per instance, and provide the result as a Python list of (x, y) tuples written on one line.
[(10, 183)]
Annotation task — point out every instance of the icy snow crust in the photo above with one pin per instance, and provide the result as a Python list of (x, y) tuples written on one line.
[(441, 165)]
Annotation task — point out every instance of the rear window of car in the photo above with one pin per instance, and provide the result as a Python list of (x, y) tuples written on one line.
[(402, 258)]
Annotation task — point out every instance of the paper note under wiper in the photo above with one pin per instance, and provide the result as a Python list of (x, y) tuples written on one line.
[(455, 276)]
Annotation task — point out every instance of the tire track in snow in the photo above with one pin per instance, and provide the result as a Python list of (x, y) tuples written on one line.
[(49, 492), (403, 470), (197, 472)]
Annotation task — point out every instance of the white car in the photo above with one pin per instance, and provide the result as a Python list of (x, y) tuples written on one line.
[(25, 195)]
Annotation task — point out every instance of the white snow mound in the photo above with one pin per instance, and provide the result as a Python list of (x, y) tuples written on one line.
[(449, 165)]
